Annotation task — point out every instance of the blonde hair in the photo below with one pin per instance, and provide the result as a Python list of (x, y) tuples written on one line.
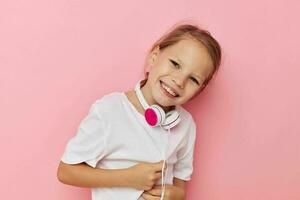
[(184, 31)]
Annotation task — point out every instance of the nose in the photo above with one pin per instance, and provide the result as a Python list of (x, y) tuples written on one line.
[(179, 81)]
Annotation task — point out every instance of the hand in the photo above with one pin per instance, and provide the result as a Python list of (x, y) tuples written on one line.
[(171, 193), (143, 176)]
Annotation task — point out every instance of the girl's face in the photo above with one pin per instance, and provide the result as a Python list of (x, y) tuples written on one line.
[(181, 67)]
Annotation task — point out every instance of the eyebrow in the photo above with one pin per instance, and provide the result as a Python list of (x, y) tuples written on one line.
[(199, 77)]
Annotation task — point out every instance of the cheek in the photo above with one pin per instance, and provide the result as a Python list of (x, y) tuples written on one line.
[(158, 71), (163, 67), (191, 92)]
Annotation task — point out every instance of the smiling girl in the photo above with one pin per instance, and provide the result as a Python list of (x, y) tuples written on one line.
[(139, 144)]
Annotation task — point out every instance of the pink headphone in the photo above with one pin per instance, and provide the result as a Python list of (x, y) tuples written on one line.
[(155, 115)]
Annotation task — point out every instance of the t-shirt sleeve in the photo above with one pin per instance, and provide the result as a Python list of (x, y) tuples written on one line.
[(183, 168), (89, 143)]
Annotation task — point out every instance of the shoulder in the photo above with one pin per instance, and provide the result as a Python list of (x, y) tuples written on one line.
[(107, 103), (109, 98)]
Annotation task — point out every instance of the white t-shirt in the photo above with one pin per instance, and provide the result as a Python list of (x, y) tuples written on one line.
[(114, 135)]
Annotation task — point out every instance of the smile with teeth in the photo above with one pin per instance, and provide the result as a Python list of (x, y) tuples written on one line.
[(169, 90)]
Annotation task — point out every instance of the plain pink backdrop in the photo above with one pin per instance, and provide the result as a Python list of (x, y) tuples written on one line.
[(57, 57)]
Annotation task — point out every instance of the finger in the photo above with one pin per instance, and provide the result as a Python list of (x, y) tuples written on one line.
[(158, 166), (158, 175), (155, 191), (146, 196), (150, 197), (157, 186)]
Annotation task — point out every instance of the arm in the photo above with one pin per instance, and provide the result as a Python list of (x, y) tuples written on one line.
[(180, 184), (82, 175), (172, 192)]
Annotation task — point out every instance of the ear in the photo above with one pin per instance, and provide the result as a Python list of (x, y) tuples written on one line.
[(152, 58)]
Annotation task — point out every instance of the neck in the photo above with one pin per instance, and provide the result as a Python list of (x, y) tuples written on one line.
[(148, 97)]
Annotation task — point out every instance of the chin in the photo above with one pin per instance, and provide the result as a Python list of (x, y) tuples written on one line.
[(164, 102), (160, 100)]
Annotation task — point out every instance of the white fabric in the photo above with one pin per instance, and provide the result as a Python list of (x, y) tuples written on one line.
[(114, 135)]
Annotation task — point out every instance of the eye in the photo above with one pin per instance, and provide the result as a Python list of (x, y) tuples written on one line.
[(174, 63), (195, 80)]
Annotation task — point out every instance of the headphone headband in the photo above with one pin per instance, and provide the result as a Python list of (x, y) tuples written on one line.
[(141, 96), (154, 114)]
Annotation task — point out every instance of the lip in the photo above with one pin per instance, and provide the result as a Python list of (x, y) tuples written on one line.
[(167, 93)]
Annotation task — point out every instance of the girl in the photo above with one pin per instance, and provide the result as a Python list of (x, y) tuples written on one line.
[(139, 144)]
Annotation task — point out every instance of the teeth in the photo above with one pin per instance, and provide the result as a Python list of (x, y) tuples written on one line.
[(169, 90)]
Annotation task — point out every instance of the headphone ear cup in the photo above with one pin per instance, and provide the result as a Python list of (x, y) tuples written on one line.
[(155, 115), (160, 113), (172, 119)]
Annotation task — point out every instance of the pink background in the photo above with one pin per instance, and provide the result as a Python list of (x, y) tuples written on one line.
[(59, 56)]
